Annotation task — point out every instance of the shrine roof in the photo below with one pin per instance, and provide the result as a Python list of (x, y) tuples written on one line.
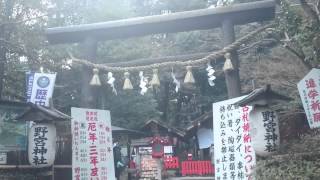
[(203, 121), (164, 126), (116, 129), (262, 96), (39, 113), (196, 122)]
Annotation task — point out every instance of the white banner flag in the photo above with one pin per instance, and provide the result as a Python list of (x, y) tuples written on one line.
[(233, 152), (40, 88), (309, 89), (92, 150)]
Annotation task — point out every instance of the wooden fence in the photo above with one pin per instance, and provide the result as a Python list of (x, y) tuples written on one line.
[(197, 168)]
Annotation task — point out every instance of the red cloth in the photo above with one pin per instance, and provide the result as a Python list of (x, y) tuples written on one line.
[(132, 164)]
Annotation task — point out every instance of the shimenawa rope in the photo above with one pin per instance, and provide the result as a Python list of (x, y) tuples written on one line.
[(204, 60)]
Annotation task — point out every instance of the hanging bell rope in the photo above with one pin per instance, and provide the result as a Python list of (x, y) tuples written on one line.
[(228, 63), (95, 81), (127, 83), (155, 78), (189, 76), (212, 56)]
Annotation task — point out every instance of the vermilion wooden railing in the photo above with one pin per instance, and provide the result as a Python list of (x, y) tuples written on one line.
[(197, 168), (171, 162)]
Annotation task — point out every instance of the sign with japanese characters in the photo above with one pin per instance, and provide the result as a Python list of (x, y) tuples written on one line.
[(40, 87), (264, 131), (29, 85), (233, 153), (150, 168), (92, 151), (42, 145), (309, 89)]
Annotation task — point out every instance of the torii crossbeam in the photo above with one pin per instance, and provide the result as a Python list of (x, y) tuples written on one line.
[(224, 17)]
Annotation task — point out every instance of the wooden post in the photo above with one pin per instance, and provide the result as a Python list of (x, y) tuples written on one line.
[(129, 155), (52, 169), (232, 77), (87, 95)]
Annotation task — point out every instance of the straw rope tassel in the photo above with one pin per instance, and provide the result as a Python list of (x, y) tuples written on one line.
[(95, 81), (155, 78), (127, 83), (228, 63), (189, 77)]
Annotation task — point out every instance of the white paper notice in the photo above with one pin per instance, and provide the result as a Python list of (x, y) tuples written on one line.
[(92, 152), (233, 153)]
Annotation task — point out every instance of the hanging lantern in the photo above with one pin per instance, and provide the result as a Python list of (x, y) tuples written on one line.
[(95, 81), (155, 78), (264, 131), (189, 77), (228, 63), (42, 145), (127, 83)]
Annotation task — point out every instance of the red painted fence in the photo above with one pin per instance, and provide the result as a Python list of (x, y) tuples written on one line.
[(197, 168), (171, 162)]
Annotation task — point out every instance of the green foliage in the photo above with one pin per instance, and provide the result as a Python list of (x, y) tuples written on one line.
[(299, 31), (129, 109), (298, 157), (290, 169), (20, 27)]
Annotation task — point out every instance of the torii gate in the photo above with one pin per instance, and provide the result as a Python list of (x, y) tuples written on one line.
[(224, 17)]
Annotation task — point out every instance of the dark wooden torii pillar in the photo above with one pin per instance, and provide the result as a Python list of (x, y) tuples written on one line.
[(88, 94), (225, 17)]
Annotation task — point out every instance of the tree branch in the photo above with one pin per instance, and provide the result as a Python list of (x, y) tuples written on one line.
[(317, 8), (309, 11), (23, 21), (300, 56)]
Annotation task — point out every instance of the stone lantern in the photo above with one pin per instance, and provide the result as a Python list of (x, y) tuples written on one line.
[(264, 123)]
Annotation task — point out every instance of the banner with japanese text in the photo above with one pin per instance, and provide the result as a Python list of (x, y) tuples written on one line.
[(233, 152), (29, 85), (309, 88), (40, 87), (92, 151)]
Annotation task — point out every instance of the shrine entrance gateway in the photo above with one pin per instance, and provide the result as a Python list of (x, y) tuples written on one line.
[(225, 17)]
